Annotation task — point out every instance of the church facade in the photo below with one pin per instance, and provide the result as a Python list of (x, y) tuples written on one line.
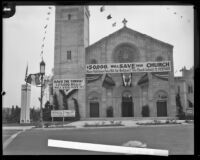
[(113, 94)]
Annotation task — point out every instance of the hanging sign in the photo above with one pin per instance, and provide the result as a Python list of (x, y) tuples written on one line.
[(63, 113), (161, 66), (68, 84)]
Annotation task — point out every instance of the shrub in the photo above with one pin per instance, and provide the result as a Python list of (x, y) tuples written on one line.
[(145, 111)]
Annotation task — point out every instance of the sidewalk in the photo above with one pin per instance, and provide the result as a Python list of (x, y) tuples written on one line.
[(125, 123), (17, 127)]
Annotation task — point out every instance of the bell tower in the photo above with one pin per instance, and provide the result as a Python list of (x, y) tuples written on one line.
[(71, 39)]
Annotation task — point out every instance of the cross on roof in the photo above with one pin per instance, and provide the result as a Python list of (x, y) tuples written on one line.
[(124, 22)]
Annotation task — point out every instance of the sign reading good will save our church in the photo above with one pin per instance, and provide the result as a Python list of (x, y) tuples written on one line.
[(162, 66), (63, 113), (68, 84)]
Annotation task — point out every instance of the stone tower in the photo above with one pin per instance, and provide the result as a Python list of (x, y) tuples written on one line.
[(25, 103), (71, 39)]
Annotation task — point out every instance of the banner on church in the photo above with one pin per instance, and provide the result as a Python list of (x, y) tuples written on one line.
[(68, 84), (161, 66)]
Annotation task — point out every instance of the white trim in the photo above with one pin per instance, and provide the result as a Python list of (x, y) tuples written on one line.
[(106, 148)]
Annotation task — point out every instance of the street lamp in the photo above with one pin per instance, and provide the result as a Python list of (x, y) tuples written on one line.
[(42, 72)]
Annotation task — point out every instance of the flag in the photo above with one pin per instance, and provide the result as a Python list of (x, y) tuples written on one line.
[(34, 79), (45, 26), (108, 81), (92, 77), (127, 79), (42, 45), (144, 79), (109, 16), (26, 72), (102, 8), (50, 7), (43, 38), (47, 18), (48, 13), (114, 24), (161, 75)]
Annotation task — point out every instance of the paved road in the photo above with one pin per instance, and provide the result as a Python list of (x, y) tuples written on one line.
[(178, 140)]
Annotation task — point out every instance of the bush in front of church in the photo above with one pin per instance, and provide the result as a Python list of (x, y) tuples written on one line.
[(145, 111)]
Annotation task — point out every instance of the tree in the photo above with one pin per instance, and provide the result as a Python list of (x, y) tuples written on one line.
[(65, 104), (55, 102), (180, 112), (77, 114), (47, 111)]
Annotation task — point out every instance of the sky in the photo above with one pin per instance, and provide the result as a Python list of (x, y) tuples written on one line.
[(24, 32)]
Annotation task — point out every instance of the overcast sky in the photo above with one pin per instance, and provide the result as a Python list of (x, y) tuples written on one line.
[(23, 37)]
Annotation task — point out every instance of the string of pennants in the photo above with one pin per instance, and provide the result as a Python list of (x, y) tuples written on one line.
[(114, 23), (126, 78), (109, 16), (47, 19), (177, 14)]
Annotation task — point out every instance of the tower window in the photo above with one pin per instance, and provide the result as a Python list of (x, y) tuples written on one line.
[(69, 16), (69, 55)]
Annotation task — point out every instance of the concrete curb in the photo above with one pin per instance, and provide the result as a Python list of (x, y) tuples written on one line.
[(9, 140)]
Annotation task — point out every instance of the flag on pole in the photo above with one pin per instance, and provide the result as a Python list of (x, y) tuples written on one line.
[(26, 72), (114, 24), (161, 75), (34, 79), (102, 8), (109, 16)]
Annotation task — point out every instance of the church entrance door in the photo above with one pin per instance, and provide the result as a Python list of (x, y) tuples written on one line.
[(161, 108), (127, 107), (94, 109)]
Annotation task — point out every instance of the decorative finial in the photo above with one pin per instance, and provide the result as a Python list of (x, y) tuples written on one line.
[(124, 22)]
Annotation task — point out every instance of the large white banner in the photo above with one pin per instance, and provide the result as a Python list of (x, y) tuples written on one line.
[(68, 84), (63, 113), (162, 66)]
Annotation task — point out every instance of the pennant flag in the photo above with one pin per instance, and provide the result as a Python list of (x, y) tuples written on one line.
[(181, 16), (34, 79), (144, 79), (26, 74), (47, 18), (92, 77), (174, 12), (45, 32), (45, 26), (114, 24), (48, 13), (102, 8), (108, 81), (42, 45), (43, 38), (50, 7), (109, 16), (161, 75)]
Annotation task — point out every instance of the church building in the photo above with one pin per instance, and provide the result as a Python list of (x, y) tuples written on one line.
[(110, 94)]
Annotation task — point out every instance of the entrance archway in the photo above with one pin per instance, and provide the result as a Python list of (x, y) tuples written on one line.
[(94, 109), (94, 105), (161, 103), (127, 104)]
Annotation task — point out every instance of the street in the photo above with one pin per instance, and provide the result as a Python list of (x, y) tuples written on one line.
[(179, 140)]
